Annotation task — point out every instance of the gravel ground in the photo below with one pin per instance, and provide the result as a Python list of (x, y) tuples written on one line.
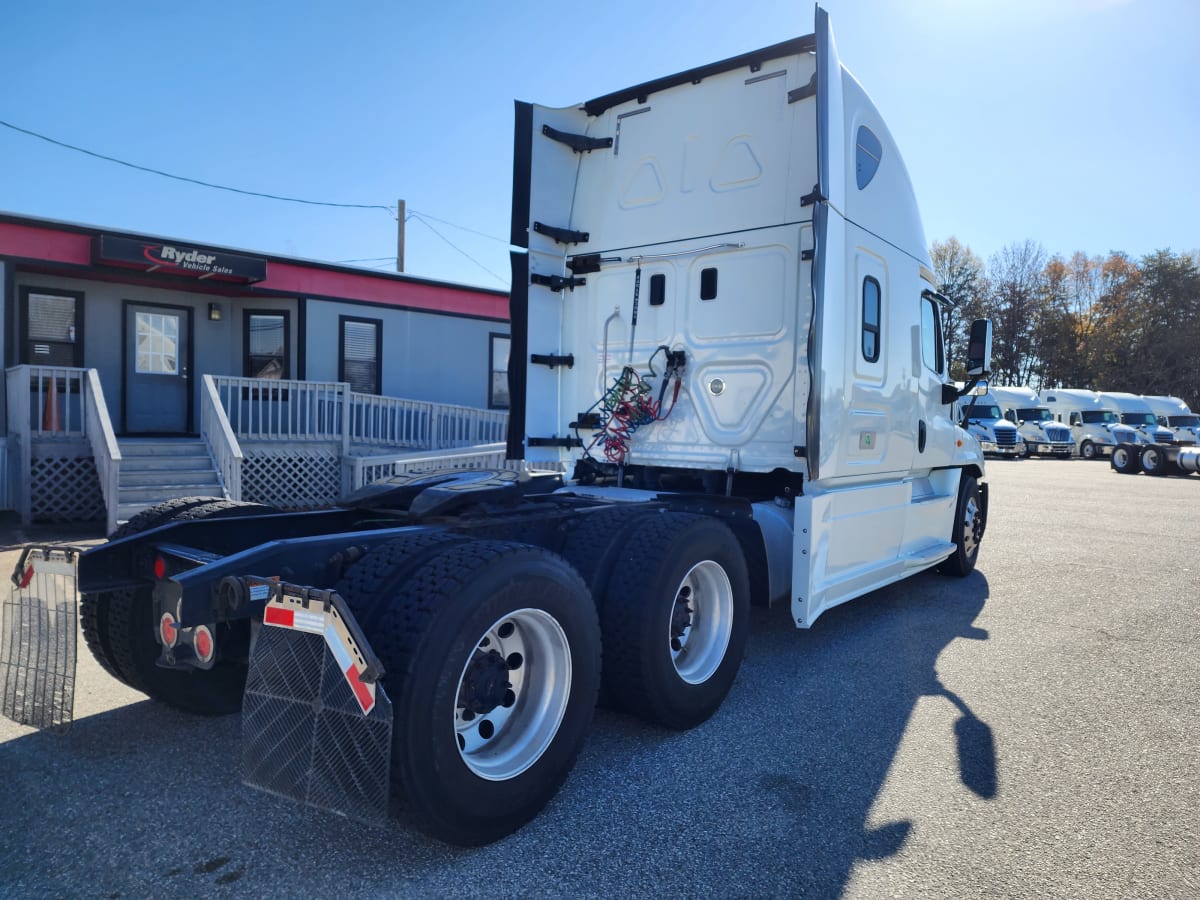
[(1028, 731)]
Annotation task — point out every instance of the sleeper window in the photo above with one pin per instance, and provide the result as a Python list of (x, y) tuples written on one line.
[(871, 319)]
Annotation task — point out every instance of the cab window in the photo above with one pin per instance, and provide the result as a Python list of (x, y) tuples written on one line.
[(931, 336)]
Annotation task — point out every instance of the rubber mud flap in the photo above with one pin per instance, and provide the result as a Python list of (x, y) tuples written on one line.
[(38, 624), (310, 731)]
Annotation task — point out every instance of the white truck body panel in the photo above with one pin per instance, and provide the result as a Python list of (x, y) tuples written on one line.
[(790, 199), (1093, 423), (1137, 414), (1175, 415)]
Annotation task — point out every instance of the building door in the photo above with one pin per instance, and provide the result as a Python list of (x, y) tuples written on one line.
[(157, 384)]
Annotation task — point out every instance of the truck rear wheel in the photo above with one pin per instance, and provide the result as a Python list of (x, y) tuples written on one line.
[(675, 618), (1127, 459), (1154, 461), (119, 626), (969, 524), (492, 659)]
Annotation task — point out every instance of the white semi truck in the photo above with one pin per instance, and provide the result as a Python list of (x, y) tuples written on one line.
[(1042, 434), (1174, 414), (981, 416), (725, 322), (1137, 414), (1095, 427)]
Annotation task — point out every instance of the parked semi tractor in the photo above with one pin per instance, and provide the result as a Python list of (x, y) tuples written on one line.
[(1173, 414), (982, 418), (725, 322), (1035, 423), (1137, 414), (1095, 427)]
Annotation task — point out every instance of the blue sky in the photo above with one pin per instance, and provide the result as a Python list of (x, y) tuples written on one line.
[(1075, 123)]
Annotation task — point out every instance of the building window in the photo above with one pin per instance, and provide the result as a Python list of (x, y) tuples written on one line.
[(498, 347), (157, 344), (52, 321), (931, 336), (871, 319), (361, 357), (266, 343)]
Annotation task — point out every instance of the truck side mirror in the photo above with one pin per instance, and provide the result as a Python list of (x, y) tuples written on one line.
[(979, 348)]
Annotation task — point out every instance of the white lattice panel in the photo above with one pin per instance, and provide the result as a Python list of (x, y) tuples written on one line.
[(65, 489), (291, 477)]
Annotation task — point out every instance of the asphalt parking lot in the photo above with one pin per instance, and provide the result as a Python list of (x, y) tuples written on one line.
[(1029, 731)]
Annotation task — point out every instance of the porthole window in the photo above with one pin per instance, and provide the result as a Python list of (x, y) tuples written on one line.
[(867, 153)]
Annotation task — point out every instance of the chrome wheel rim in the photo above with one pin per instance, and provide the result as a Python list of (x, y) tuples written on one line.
[(701, 622), (1088, 451), (972, 525), (512, 694), (1121, 457)]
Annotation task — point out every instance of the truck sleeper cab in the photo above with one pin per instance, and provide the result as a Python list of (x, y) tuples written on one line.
[(1136, 413), (1035, 423), (1095, 427), (725, 325), (1175, 415)]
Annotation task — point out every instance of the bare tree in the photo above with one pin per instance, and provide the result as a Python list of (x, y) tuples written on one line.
[(1015, 276), (959, 273)]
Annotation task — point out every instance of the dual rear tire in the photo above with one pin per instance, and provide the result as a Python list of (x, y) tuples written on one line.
[(492, 652)]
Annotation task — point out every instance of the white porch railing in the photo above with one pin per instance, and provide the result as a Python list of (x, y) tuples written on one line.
[(60, 406), (262, 409), (366, 469), (218, 436), (265, 409), (105, 452)]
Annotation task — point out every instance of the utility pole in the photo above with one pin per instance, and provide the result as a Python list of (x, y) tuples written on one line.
[(400, 216)]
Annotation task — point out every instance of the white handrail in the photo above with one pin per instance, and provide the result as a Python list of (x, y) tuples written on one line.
[(105, 451), (366, 469), (220, 439), (264, 409)]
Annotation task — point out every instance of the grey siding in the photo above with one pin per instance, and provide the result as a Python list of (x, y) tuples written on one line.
[(217, 346), (426, 356)]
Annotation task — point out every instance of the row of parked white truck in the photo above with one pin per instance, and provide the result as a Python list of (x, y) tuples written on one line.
[(1066, 422)]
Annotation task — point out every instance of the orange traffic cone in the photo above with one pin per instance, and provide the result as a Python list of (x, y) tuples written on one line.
[(50, 409)]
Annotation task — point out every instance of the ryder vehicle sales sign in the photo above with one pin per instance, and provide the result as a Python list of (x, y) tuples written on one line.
[(177, 259)]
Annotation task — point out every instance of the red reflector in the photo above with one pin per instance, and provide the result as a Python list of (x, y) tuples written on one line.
[(203, 643), (160, 567), (168, 631)]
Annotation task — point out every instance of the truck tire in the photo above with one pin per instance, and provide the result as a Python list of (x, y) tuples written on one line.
[(594, 541), (969, 525), (1127, 459), (1154, 461), (492, 659), (675, 617), (1087, 450), (119, 627), (380, 574), (1023, 451)]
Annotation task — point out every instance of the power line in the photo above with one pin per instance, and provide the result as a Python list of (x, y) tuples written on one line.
[(207, 184), (490, 237), (421, 219)]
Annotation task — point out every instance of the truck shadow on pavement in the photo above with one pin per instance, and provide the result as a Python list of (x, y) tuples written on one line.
[(773, 795)]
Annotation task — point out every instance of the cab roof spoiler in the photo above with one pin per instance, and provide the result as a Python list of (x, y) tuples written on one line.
[(753, 60)]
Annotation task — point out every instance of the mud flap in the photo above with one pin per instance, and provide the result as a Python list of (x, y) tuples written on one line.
[(316, 722), (38, 624)]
